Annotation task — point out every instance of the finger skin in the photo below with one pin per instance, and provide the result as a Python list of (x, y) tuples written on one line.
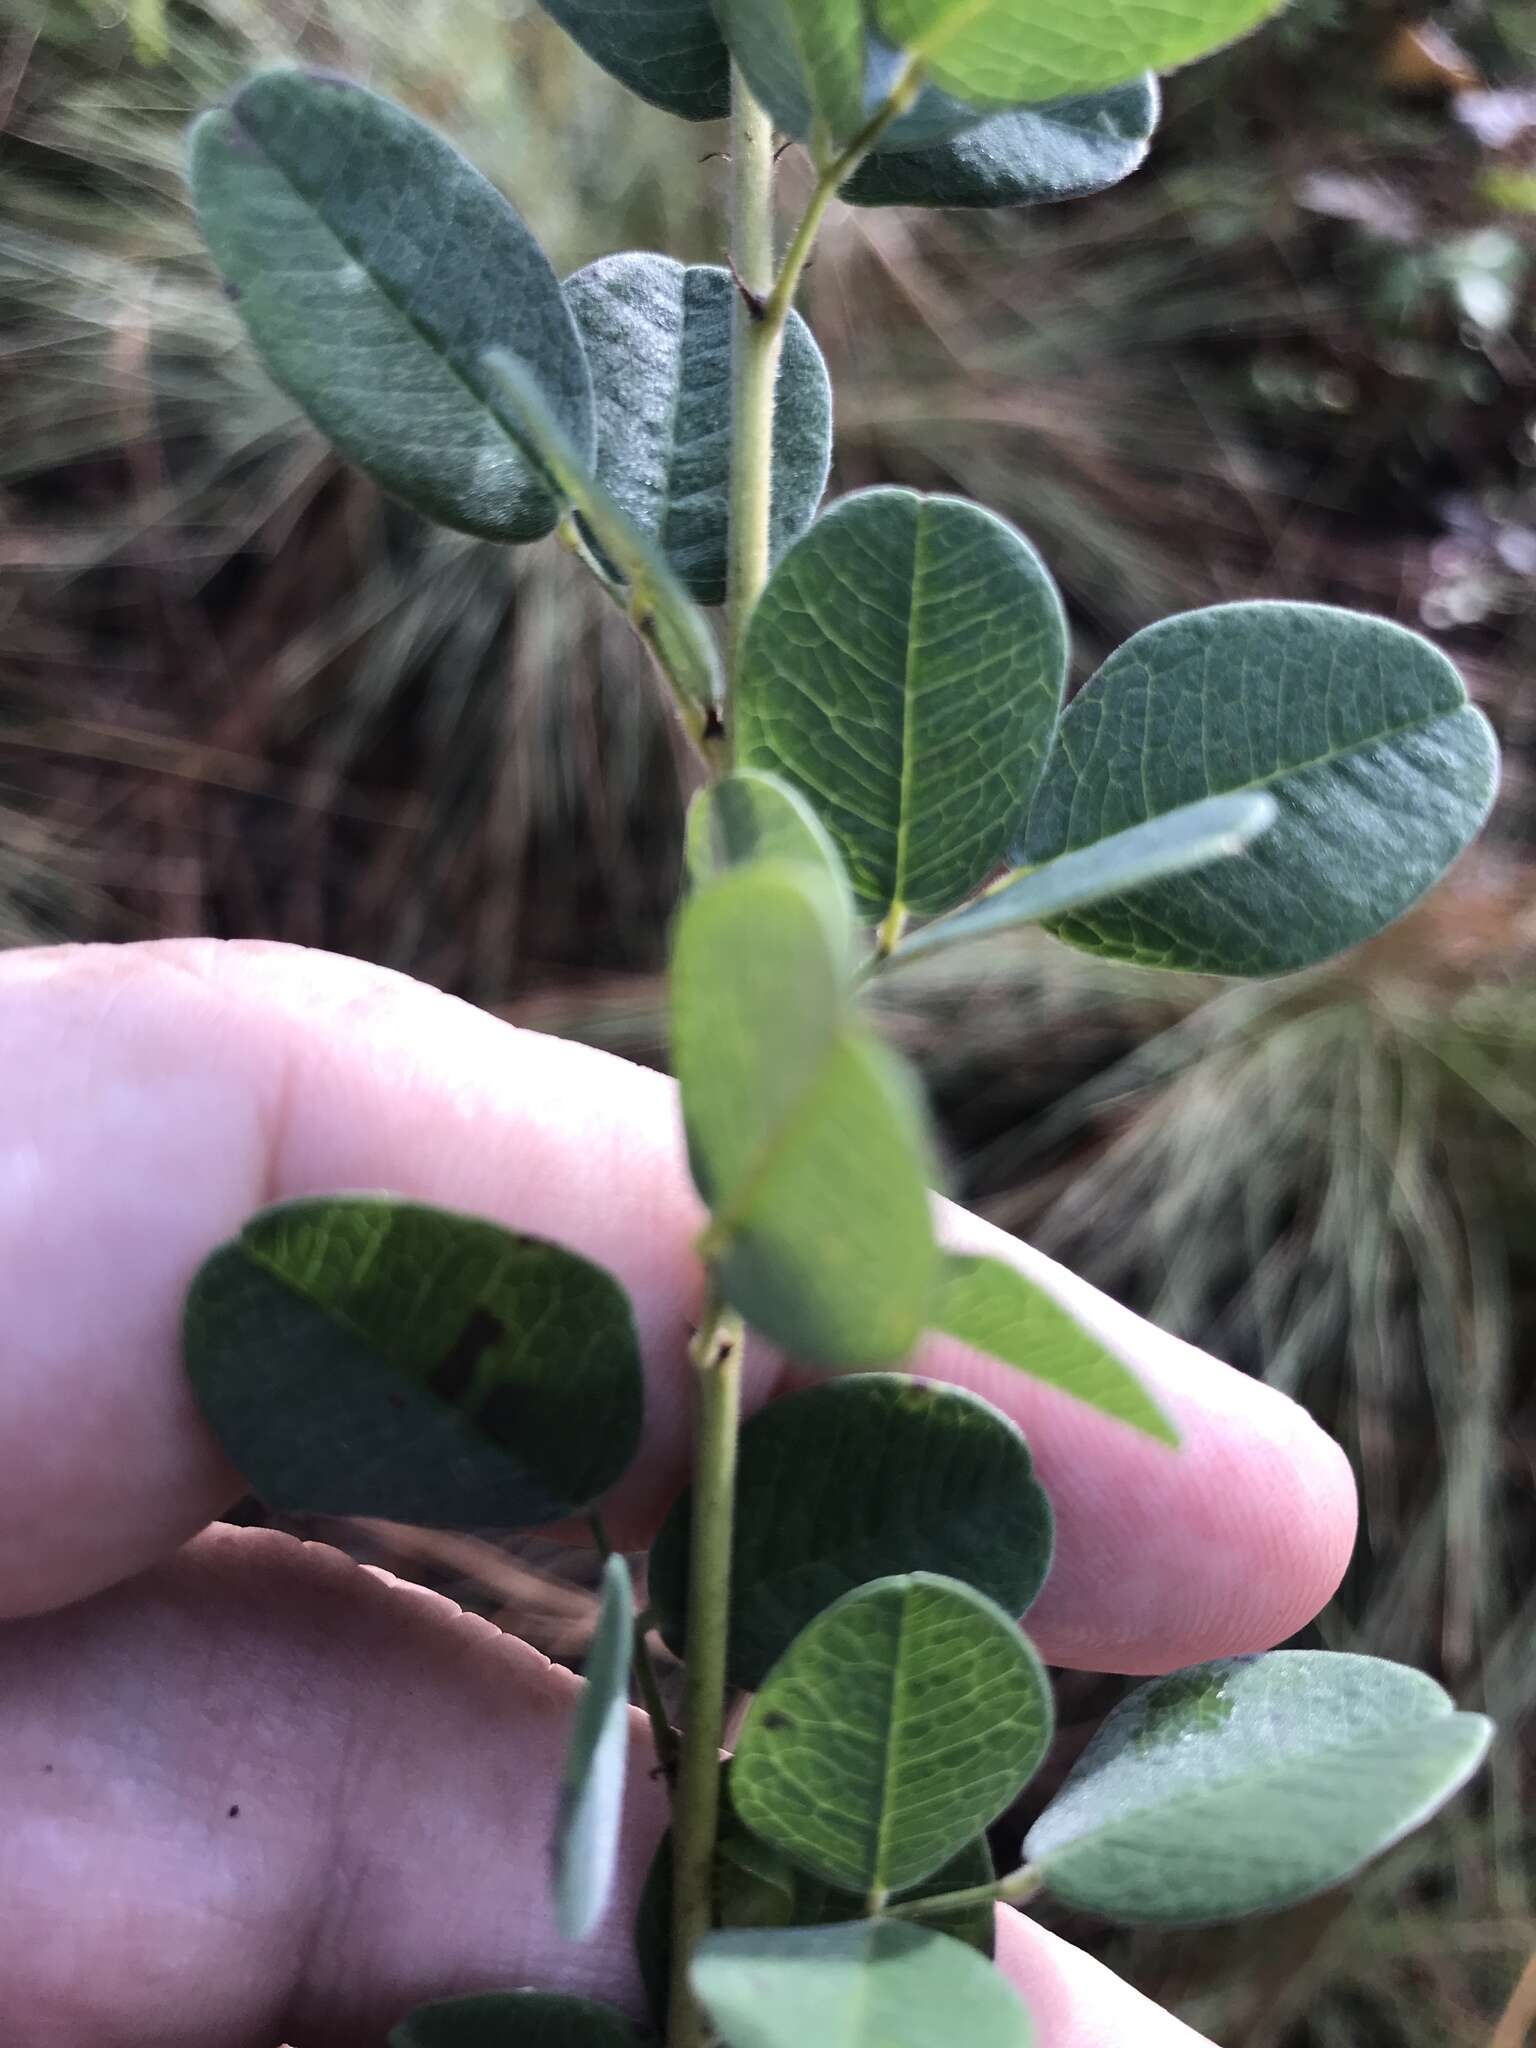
[(152, 1097), (269, 1796), (1074, 2001)]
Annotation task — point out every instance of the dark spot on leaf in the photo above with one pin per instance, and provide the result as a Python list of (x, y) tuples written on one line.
[(776, 1722), (234, 1813), (47, 1770), (232, 291), (1192, 1703), (455, 1375)]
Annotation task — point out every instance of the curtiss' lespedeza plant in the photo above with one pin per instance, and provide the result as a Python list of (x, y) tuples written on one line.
[(887, 769)]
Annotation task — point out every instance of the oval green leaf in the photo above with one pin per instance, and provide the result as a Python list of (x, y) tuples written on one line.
[(1246, 1785), (363, 1356), (1026, 157), (374, 268), (1216, 828), (862, 1479), (868, 1984), (669, 52), (528, 2019), (891, 1732), (905, 671), (755, 1886), (1360, 730), (1010, 53), (994, 1308), (806, 60), (806, 1136), (658, 338), (586, 1845), (752, 816)]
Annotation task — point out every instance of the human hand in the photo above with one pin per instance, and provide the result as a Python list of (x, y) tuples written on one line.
[(252, 1793)]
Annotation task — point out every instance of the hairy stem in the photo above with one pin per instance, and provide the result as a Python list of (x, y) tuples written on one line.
[(1015, 1890), (716, 1357), (758, 346)]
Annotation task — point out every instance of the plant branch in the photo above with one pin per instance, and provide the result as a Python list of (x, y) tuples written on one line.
[(756, 352), (1015, 1890), (716, 1355), (833, 176)]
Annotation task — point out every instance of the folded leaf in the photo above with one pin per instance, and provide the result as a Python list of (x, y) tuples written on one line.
[(805, 1134), (586, 1845), (356, 1355), (1025, 157), (658, 338), (859, 1479), (1360, 731), (1246, 1785), (1180, 841), (870, 1984), (1019, 52), (661, 610), (994, 1308), (669, 52), (905, 670), (894, 1729), (375, 268)]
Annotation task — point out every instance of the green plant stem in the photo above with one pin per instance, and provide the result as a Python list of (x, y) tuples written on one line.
[(764, 304), (757, 350), (716, 1356), (647, 1683), (1015, 1890)]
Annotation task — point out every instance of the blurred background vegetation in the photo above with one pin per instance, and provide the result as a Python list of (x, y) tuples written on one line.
[(240, 694)]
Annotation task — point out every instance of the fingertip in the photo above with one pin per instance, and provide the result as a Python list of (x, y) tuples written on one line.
[(1074, 2001), (1168, 1557)]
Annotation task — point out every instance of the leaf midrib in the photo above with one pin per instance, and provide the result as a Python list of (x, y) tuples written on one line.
[(1422, 723), (908, 713), (1214, 1794), (732, 1216)]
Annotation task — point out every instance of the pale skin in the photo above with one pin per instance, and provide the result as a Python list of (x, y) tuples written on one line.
[(392, 1761)]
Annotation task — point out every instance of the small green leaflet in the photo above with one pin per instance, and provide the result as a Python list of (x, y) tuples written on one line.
[(530, 2019), (1247, 1785), (869, 1984), (752, 816), (904, 670), (1025, 157), (1179, 841), (1019, 52), (805, 1134), (586, 1845), (356, 1355), (894, 1729), (757, 1887), (669, 52), (374, 269), (1360, 731), (661, 611), (658, 339), (995, 1309), (857, 1479)]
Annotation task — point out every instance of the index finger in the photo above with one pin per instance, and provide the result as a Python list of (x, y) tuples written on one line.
[(151, 1097)]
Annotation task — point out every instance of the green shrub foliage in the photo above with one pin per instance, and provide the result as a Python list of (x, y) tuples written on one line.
[(888, 766)]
